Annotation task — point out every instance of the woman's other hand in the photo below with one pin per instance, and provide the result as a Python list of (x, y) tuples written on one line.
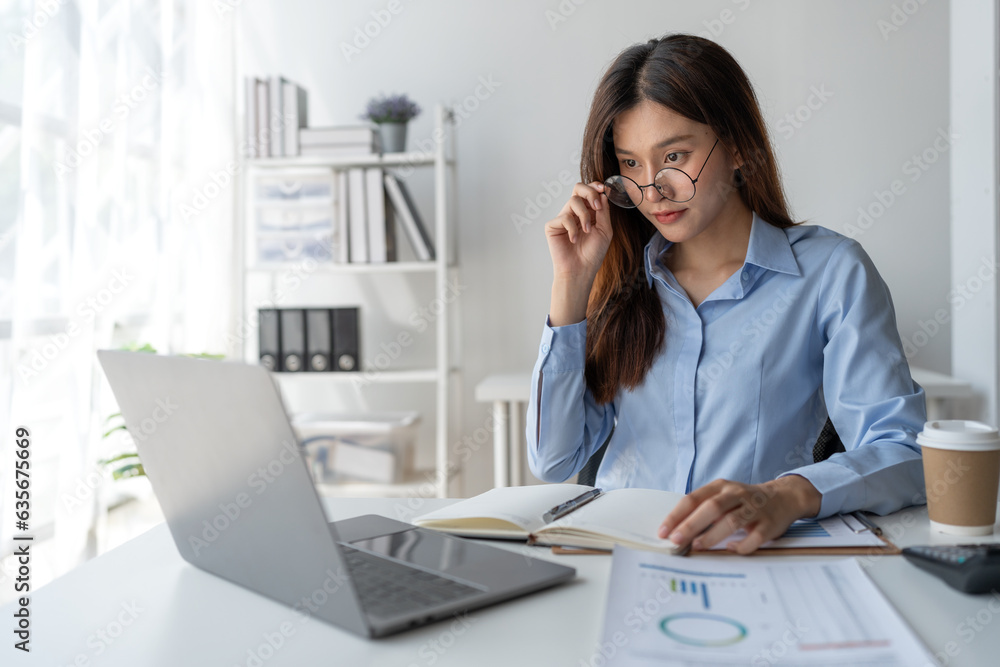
[(722, 507)]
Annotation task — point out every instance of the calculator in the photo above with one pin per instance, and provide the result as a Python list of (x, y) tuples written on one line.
[(970, 568)]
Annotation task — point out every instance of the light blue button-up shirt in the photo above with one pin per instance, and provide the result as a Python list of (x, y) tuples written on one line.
[(745, 383)]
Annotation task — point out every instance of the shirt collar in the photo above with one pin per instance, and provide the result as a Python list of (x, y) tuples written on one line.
[(768, 248)]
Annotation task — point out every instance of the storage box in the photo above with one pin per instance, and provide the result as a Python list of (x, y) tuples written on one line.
[(372, 447)]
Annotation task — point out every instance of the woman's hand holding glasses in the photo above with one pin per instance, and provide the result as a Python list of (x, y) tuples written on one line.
[(580, 235), (578, 239)]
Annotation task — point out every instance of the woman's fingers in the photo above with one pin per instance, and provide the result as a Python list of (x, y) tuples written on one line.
[(584, 215), (708, 512), (686, 505), (722, 528), (564, 223), (756, 536), (589, 193)]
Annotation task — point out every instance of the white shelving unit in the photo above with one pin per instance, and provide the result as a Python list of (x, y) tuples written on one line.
[(444, 375)]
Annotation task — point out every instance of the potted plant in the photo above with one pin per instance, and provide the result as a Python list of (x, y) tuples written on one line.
[(391, 113), (127, 465)]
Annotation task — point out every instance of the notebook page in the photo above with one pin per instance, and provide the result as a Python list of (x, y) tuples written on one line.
[(522, 506), (633, 515)]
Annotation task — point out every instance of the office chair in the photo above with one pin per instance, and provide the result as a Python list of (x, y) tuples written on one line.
[(827, 443)]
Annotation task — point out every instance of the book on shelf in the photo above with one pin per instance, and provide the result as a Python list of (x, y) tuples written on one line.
[(357, 215), (276, 110), (276, 120), (295, 115), (381, 235), (344, 150), (409, 218), (341, 253), (251, 129), (263, 143), (341, 135)]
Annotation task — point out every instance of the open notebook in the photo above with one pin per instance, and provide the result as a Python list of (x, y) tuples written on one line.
[(630, 517)]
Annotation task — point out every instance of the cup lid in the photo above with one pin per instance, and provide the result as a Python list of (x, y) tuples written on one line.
[(959, 434)]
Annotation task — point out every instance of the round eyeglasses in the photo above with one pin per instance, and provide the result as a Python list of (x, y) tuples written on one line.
[(670, 182)]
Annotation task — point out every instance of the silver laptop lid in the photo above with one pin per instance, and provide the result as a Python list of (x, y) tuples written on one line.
[(217, 447)]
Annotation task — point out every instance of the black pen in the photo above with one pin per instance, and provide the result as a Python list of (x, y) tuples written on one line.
[(570, 505), (867, 523)]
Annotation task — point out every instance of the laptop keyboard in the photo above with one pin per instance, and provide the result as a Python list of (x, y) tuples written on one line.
[(388, 588)]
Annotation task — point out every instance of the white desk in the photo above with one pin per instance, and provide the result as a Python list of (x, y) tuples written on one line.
[(184, 616), (509, 393)]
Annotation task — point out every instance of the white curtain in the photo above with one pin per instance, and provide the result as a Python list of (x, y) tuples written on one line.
[(114, 114)]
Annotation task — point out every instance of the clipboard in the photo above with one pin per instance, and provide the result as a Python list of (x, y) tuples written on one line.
[(887, 548)]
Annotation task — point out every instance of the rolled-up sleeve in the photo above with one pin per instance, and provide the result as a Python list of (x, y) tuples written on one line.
[(564, 425), (873, 402)]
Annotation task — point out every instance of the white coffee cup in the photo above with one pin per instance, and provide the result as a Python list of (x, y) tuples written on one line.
[(961, 475)]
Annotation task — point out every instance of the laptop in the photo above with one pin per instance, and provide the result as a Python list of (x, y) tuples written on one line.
[(237, 495)]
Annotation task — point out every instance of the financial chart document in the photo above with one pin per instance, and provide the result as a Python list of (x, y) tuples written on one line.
[(669, 610)]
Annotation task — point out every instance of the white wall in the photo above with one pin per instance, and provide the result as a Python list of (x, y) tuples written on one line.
[(887, 87), (974, 206)]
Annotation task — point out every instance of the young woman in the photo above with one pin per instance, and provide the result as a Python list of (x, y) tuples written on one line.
[(706, 332)]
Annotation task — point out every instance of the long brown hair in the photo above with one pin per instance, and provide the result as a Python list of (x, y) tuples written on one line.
[(698, 79)]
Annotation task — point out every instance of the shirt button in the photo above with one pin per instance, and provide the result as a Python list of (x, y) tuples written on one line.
[(746, 276), (545, 348)]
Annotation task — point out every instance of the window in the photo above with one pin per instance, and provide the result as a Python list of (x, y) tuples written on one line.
[(104, 113)]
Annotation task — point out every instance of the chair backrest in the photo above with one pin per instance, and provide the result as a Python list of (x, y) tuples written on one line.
[(827, 444)]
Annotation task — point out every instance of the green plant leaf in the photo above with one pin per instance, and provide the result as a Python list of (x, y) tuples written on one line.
[(129, 471), (119, 457), (135, 347), (120, 427)]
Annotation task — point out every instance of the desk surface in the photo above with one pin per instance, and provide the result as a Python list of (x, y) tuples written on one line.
[(141, 604)]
